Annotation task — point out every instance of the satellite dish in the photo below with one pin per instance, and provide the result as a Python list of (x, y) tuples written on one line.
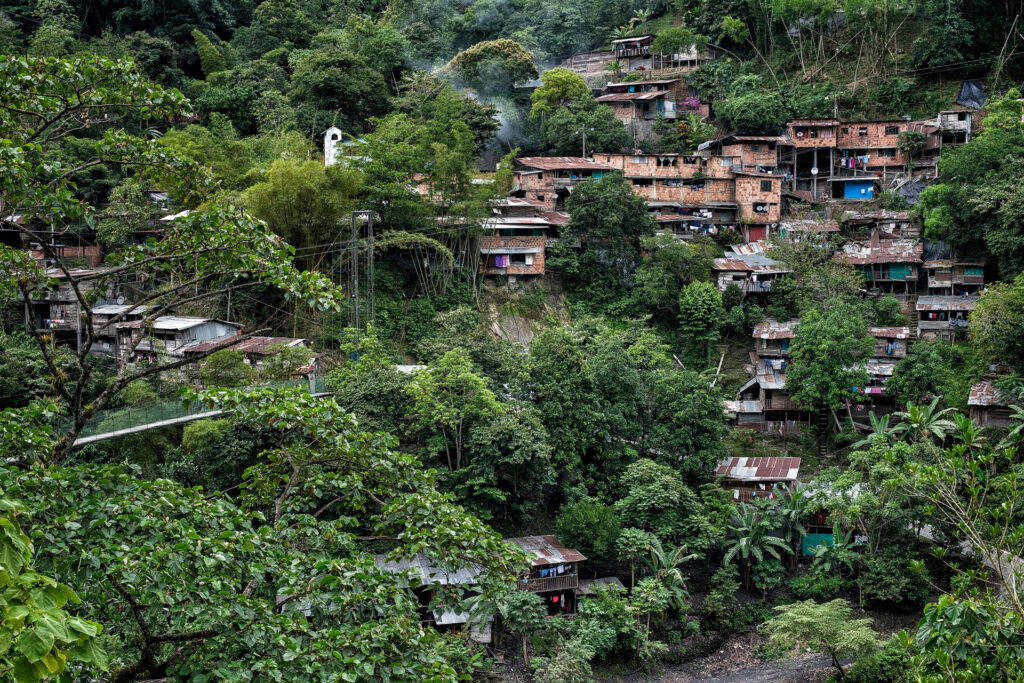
[(814, 171), (120, 300)]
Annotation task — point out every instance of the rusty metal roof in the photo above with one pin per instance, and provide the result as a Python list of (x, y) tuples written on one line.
[(256, 345), (812, 122), (889, 332), (626, 96), (877, 251), (810, 225), (759, 469), (559, 163), (556, 217), (947, 303), (773, 329), (949, 263), (546, 550), (984, 393)]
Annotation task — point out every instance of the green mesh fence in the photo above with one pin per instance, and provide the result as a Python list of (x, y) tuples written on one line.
[(117, 419)]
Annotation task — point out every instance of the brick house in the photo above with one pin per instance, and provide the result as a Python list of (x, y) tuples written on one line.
[(758, 153), (708, 192), (549, 179), (516, 236)]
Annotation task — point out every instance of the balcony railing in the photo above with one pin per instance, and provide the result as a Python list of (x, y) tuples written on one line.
[(633, 51), (551, 583)]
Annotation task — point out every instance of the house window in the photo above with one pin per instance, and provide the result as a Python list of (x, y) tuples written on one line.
[(814, 132), (727, 162), (642, 182), (755, 148), (766, 186), (892, 130), (689, 160), (887, 153), (863, 132), (846, 131), (962, 116), (696, 184), (519, 259), (639, 160)]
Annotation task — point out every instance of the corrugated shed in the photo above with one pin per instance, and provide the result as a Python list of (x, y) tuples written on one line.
[(759, 469), (546, 550), (773, 329), (947, 303)]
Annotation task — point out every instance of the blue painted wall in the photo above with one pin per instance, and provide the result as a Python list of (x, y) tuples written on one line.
[(859, 189)]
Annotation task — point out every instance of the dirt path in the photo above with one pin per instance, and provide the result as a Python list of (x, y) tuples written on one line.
[(804, 669)]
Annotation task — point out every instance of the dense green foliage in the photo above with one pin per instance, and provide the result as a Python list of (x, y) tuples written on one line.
[(263, 544)]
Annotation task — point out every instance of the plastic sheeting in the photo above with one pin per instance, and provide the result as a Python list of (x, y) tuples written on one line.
[(972, 94)]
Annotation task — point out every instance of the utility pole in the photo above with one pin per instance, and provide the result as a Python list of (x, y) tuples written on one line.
[(583, 131)]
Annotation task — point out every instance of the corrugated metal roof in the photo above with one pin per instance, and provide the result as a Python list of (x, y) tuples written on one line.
[(556, 217), (518, 201), (257, 345), (984, 393), (546, 550), (772, 381), (627, 96), (810, 226), (947, 303), (118, 309), (759, 469), (428, 573), (751, 256), (889, 332), (560, 163), (877, 251), (661, 82), (773, 329)]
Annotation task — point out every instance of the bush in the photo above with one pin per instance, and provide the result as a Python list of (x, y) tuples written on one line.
[(818, 586), (768, 575), (719, 606), (889, 312), (590, 527), (887, 577), (887, 664)]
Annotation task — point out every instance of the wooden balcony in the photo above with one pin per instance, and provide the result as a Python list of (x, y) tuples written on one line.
[(632, 51), (551, 583), (779, 404)]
